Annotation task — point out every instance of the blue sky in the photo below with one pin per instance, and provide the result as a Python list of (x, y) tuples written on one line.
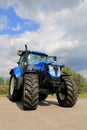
[(14, 24), (58, 28)]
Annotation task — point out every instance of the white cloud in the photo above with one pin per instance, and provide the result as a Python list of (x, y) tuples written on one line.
[(62, 30), (17, 28), (4, 22), (6, 3)]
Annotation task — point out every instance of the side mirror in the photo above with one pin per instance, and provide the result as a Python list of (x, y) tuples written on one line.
[(19, 52), (62, 66)]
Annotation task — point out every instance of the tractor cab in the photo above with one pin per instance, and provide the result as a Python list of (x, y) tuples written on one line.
[(29, 59)]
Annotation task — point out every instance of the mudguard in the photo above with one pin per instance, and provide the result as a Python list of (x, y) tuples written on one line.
[(17, 72)]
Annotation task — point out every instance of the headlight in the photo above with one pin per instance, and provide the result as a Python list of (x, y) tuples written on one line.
[(51, 70), (54, 72), (59, 72)]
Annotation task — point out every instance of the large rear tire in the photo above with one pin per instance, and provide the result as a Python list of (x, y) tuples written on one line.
[(68, 95), (30, 92), (14, 94)]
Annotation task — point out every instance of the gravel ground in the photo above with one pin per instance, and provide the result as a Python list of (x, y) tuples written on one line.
[(48, 116)]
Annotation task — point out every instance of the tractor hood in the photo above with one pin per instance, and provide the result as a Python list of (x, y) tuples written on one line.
[(41, 65), (52, 68)]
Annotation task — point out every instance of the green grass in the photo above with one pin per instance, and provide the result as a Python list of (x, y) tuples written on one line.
[(3, 95), (3, 91), (83, 95), (52, 96)]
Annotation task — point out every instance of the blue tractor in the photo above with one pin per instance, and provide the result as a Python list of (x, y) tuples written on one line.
[(38, 75)]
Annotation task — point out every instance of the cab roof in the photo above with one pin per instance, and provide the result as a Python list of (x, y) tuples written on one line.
[(38, 52), (33, 52)]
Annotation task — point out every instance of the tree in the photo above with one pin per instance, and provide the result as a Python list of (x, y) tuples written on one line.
[(79, 79)]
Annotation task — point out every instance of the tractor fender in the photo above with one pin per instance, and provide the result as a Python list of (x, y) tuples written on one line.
[(19, 76), (17, 72)]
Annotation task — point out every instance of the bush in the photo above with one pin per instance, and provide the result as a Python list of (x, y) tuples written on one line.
[(4, 86)]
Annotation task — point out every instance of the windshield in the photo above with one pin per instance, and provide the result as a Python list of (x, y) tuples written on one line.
[(34, 59)]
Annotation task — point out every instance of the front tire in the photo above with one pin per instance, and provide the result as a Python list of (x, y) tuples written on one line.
[(68, 96), (30, 92), (14, 94)]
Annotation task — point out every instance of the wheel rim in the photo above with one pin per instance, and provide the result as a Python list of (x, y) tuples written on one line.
[(12, 86), (61, 96)]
